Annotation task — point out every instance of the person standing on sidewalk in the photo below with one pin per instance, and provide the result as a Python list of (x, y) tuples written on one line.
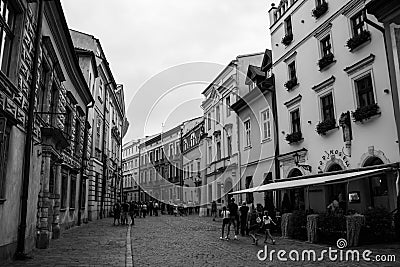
[(267, 220), (132, 212), (225, 221), (144, 209), (214, 210), (156, 206), (125, 211), (117, 212), (244, 210), (233, 215), (254, 222)]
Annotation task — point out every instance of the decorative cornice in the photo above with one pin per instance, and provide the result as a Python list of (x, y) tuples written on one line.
[(293, 101), (289, 58), (360, 64), (321, 32), (353, 7), (328, 82)]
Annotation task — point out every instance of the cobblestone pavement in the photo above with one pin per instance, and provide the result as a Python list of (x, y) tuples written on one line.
[(97, 243), (194, 241)]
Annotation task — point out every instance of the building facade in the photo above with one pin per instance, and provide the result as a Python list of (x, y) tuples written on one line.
[(108, 126), (130, 167), (36, 207), (333, 95)]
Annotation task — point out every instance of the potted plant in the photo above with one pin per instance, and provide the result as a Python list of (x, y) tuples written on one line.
[(291, 83), (320, 10), (358, 39), (325, 126), (365, 113), (287, 39), (326, 61), (294, 137)]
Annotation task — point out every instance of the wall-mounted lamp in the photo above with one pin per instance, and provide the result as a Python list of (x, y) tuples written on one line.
[(386, 91), (306, 167)]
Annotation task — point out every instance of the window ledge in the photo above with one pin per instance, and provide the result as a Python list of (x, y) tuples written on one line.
[(71, 209), (328, 66), (101, 100), (63, 209), (368, 119), (329, 131), (247, 147), (266, 140), (360, 46), (2, 200), (293, 88)]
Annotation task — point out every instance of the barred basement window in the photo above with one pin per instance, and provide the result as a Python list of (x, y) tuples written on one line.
[(5, 129)]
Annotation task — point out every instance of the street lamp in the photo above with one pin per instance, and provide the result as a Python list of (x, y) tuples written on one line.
[(306, 167)]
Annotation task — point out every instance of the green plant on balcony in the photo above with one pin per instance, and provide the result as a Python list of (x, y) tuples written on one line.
[(291, 83), (358, 40), (294, 137), (326, 61), (365, 113), (320, 10), (287, 39), (325, 126)]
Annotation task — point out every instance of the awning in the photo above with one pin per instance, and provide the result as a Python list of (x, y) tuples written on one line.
[(312, 180)]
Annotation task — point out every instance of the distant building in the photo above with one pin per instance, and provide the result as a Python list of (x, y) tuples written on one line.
[(130, 167)]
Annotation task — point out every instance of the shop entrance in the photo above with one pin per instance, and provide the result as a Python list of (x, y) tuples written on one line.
[(378, 186)]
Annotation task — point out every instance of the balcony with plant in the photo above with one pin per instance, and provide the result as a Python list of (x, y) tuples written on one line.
[(287, 39), (291, 83), (294, 137), (325, 126), (320, 10), (364, 113), (325, 61), (358, 40)]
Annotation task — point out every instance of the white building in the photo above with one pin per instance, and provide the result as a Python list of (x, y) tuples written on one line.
[(130, 168), (335, 112)]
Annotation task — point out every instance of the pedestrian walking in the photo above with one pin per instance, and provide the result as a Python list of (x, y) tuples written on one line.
[(267, 220), (156, 207), (150, 208), (234, 216), (225, 222), (132, 212), (137, 209), (244, 210), (125, 211), (117, 212), (144, 209), (214, 210), (254, 222)]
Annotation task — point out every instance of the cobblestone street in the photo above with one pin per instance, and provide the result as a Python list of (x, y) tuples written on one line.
[(171, 241)]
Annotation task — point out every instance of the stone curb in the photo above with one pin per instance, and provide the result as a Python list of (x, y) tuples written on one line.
[(128, 255)]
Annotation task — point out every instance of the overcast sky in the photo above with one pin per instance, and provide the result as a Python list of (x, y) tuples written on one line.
[(145, 39)]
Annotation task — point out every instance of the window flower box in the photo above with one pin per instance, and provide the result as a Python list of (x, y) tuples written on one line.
[(358, 40), (294, 137), (324, 126), (326, 61), (287, 39), (291, 83), (320, 10), (365, 113)]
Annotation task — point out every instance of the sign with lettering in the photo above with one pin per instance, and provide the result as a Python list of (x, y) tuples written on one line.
[(332, 155)]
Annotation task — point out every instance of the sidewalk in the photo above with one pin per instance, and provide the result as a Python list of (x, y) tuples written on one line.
[(97, 243)]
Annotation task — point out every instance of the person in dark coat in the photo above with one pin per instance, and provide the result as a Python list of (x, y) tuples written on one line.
[(117, 213), (244, 210)]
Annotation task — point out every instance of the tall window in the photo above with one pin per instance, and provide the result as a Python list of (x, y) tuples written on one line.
[(288, 26), (295, 119), (266, 123), (228, 106), (229, 145), (365, 91), (7, 19), (320, 2), (83, 204), (218, 114), (53, 105), (326, 46), (100, 89), (98, 131), (4, 143), (357, 23), (209, 154), (77, 135), (218, 148), (247, 128), (249, 196), (327, 107), (171, 150), (292, 70), (72, 195), (64, 189), (209, 121)]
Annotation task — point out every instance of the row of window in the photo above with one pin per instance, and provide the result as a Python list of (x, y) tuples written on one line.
[(189, 171), (129, 165), (266, 127), (160, 153), (217, 111), (151, 175)]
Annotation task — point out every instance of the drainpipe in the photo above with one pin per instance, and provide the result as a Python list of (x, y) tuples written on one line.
[(391, 71), (120, 162), (138, 182), (20, 254), (276, 137), (238, 140), (83, 159)]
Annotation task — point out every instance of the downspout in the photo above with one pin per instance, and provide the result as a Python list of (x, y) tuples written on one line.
[(84, 152), (138, 182), (238, 141), (20, 253), (391, 72), (276, 137), (120, 162), (104, 157)]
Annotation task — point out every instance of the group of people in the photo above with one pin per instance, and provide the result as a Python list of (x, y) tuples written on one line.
[(134, 209), (252, 221)]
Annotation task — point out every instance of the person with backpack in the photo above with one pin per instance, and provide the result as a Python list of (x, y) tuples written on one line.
[(254, 224), (225, 221), (267, 221)]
